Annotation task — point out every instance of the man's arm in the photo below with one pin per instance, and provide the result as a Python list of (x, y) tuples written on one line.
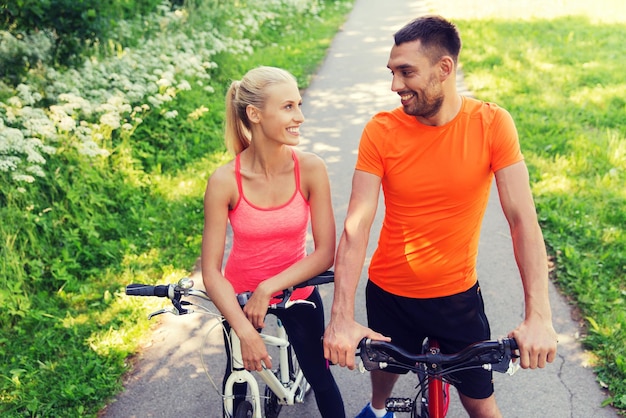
[(536, 336), (343, 332)]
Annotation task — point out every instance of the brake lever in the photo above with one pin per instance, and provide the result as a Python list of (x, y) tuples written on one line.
[(161, 311), (513, 367), (177, 310), (290, 303), (507, 364), (371, 359)]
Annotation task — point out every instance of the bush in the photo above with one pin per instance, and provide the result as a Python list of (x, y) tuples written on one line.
[(117, 196), (69, 26)]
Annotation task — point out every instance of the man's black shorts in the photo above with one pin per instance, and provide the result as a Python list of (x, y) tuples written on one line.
[(455, 321)]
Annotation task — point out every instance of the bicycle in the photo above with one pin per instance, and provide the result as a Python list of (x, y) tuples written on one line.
[(433, 369), (285, 385)]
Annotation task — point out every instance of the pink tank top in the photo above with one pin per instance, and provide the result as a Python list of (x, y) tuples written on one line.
[(266, 240)]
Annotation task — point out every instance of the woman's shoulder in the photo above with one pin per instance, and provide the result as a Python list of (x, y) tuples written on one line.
[(227, 169), (309, 160), (222, 175)]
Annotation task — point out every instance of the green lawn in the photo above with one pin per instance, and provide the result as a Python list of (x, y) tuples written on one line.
[(560, 72)]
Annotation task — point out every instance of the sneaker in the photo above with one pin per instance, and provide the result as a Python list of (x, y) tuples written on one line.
[(367, 412)]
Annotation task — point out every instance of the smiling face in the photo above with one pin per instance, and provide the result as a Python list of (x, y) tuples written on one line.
[(281, 116), (416, 80)]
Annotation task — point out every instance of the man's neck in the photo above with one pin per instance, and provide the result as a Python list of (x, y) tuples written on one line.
[(449, 110)]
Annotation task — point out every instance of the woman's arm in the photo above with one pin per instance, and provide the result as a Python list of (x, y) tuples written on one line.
[(218, 196)]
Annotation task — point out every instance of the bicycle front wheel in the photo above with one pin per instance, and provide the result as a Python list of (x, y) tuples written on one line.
[(294, 370), (272, 406), (244, 410)]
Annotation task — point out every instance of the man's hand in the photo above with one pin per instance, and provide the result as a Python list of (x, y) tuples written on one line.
[(341, 339), (537, 343)]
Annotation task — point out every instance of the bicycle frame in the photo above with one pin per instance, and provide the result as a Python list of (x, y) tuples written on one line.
[(435, 391), (286, 395), (436, 401)]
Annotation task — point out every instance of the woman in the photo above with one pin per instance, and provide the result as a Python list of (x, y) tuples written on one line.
[(269, 193)]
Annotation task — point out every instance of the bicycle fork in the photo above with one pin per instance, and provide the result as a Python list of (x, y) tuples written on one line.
[(287, 393), (240, 375)]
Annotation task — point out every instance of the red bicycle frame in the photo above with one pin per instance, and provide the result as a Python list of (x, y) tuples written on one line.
[(438, 391)]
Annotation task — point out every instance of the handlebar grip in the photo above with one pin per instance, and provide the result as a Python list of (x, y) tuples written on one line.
[(137, 289), (326, 277), (512, 343)]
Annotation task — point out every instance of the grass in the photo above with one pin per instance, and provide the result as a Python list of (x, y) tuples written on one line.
[(137, 216), (73, 240), (560, 73)]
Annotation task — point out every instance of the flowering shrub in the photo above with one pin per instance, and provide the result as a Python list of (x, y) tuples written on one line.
[(108, 97), (125, 142), (72, 174), (94, 101)]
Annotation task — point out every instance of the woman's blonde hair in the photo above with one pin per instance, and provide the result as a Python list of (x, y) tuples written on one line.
[(250, 90)]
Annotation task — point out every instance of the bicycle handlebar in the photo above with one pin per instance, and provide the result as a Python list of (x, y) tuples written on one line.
[(497, 353), (184, 287), (137, 289)]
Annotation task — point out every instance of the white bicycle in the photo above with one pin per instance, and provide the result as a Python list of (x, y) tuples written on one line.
[(285, 385)]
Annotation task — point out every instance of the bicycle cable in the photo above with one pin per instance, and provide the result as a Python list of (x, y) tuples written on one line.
[(206, 343)]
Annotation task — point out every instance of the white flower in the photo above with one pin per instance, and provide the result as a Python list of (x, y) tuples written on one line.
[(163, 82), (15, 102), (9, 163), (23, 177), (171, 114), (155, 101), (111, 119), (183, 85)]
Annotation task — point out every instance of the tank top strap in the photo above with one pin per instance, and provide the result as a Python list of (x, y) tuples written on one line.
[(296, 169), (238, 174)]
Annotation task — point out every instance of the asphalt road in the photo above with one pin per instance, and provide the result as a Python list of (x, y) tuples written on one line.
[(169, 379)]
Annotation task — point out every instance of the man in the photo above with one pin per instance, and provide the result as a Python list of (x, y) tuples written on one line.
[(435, 157)]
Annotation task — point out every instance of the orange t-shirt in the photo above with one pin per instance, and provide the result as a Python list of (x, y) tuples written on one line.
[(436, 182)]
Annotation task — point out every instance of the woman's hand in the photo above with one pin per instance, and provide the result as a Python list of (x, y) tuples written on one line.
[(254, 352), (256, 307)]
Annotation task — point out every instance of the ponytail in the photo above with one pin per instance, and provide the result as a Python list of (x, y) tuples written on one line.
[(237, 126)]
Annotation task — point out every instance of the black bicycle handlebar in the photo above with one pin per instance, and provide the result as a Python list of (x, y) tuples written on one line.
[(137, 289), (284, 297), (379, 354), (323, 278), (185, 287)]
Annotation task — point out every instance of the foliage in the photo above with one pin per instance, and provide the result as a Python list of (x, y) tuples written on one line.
[(102, 171), (69, 25), (563, 82)]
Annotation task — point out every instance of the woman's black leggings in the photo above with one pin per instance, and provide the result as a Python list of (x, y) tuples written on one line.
[(305, 328)]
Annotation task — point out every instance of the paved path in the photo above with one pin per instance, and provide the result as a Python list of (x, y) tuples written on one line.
[(353, 83)]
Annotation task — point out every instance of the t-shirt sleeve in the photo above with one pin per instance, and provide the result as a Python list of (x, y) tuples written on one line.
[(369, 158), (505, 149)]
